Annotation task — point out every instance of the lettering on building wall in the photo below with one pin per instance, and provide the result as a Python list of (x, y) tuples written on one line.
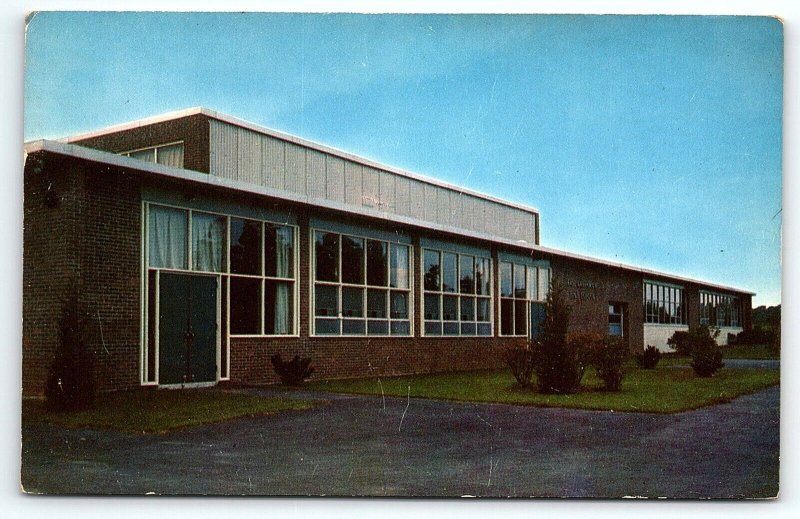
[(579, 290), (373, 201)]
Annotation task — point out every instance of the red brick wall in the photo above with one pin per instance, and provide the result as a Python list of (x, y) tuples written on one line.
[(193, 130), (88, 244), (589, 288)]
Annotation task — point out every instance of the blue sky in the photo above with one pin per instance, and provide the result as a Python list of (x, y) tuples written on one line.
[(653, 141)]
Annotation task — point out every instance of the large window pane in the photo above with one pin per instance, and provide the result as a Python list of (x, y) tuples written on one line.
[(399, 266), (171, 155), (377, 263), (326, 250), (467, 275), (352, 302), (245, 246), (505, 279), (519, 281), (325, 301), (353, 327), (378, 327), (167, 237), (520, 317), (482, 276), (376, 303), (433, 270), (507, 316), (432, 307), (245, 306), (401, 328), (434, 328), (352, 260), (399, 305), (532, 284), (278, 307), (148, 155), (208, 242), (449, 272), (326, 326), (450, 308), (467, 309), (278, 251), (483, 309)]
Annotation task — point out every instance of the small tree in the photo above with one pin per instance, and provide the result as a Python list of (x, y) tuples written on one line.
[(70, 381), (556, 366), (706, 353)]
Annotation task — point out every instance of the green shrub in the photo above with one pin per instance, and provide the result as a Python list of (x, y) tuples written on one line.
[(649, 358), (294, 372), (680, 343), (555, 363), (520, 360), (608, 359), (70, 380), (583, 347), (706, 353), (755, 337)]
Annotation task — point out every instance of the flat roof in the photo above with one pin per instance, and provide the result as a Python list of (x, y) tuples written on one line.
[(61, 147), (229, 119)]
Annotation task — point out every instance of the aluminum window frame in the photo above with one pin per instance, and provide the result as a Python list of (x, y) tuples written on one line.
[(441, 294), (668, 299), (222, 277), (365, 288)]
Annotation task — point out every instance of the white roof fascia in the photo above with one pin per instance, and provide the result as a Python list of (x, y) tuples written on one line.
[(112, 159), (295, 140)]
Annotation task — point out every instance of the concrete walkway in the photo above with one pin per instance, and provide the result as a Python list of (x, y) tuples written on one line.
[(356, 446)]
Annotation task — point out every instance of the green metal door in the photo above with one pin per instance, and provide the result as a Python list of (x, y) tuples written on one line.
[(187, 328)]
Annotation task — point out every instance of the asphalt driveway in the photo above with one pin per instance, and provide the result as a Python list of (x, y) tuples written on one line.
[(358, 445)]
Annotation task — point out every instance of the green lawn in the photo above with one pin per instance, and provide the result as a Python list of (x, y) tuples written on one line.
[(158, 411), (662, 390)]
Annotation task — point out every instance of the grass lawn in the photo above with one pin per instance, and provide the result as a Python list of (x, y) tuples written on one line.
[(159, 411), (662, 390)]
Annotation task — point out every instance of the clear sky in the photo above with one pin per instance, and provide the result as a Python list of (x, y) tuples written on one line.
[(652, 141)]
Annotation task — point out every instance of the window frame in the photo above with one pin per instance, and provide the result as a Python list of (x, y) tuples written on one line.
[(223, 286), (667, 298), (721, 307), (127, 153), (441, 294), (365, 288)]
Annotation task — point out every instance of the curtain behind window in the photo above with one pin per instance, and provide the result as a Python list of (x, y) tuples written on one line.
[(171, 155), (208, 238), (167, 237)]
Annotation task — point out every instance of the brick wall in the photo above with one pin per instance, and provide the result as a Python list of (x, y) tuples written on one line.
[(89, 245), (193, 130), (589, 288)]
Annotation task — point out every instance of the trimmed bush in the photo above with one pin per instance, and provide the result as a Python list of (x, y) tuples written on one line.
[(583, 347), (680, 343), (706, 353), (609, 360), (649, 358), (555, 363), (755, 337), (70, 381), (294, 372)]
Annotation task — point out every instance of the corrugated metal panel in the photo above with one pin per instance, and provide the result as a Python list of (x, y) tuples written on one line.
[(443, 206), (417, 199), (274, 164), (249, 156), (429, 203), (353, 179), (403, 201), (315, 171), (224, 139), (371, 195), (295, 168), (242, 154), (334, 179), (388, 192)]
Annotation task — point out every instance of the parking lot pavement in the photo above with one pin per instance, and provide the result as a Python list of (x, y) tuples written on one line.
[(359, 445)]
